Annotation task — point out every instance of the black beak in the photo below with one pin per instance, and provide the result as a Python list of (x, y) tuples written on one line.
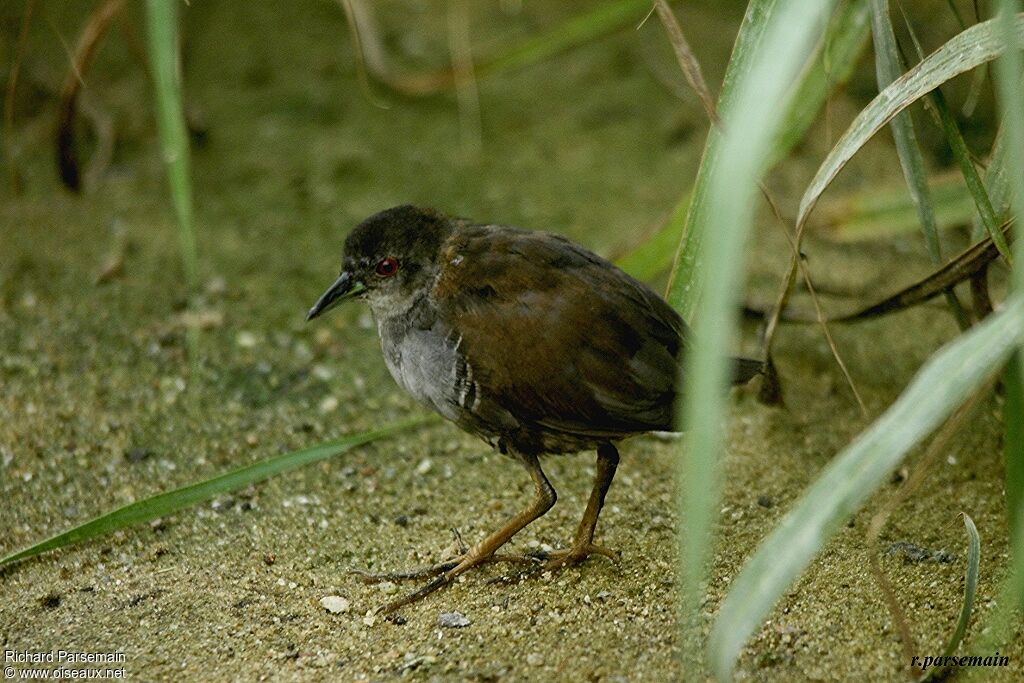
[(344, 287)]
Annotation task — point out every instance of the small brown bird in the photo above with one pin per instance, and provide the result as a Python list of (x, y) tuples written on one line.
[(522, 338)]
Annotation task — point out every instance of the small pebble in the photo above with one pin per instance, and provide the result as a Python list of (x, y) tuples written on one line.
[(452, 620), (534, 659), (335, 604), (322, 372), (245, 339)]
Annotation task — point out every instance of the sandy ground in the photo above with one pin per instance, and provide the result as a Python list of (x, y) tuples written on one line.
[(99, 405)]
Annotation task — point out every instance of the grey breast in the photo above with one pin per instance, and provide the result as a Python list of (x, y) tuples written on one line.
[(423, 362)]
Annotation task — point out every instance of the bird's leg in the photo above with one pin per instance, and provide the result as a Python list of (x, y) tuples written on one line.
[(583, 543), (543, 498)]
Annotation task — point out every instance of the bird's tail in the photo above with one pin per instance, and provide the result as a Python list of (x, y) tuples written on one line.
[(745, 369)]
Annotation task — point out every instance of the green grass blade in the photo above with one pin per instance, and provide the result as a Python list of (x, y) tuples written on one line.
[(1013, 445), (178, 499), (776, 39), (975, 46), (965, 161), (970, 591), (889, 67), (1004, 622), (1009, 70), (688, 268), (162, 33), (944, 382), (831, 66), (685, 290), (997, 184), (970, 585), (829, 69)]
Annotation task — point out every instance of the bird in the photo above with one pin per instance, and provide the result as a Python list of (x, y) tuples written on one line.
[(522, 338)]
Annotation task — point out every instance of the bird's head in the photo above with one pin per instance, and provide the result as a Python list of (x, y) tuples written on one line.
[(388, 259)]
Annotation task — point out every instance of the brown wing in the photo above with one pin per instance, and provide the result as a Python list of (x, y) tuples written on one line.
[(582, 347)]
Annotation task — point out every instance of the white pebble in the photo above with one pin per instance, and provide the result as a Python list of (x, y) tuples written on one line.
[(335, 604), (322, 372), (452, 620), (245, 339)]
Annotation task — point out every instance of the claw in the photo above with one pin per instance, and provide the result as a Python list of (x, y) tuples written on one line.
[(557, 559), (418, 594)]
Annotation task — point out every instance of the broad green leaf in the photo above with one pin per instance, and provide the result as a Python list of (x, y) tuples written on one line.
[(178, 499), (775, 41), (802, 104), (944, 382)]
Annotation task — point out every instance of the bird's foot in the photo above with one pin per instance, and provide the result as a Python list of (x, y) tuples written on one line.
[(440, 568), (567, 557), (444, 573), (459, 547), (407, 574)]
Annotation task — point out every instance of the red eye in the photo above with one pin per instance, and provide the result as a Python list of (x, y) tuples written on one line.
[(387, 267)]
